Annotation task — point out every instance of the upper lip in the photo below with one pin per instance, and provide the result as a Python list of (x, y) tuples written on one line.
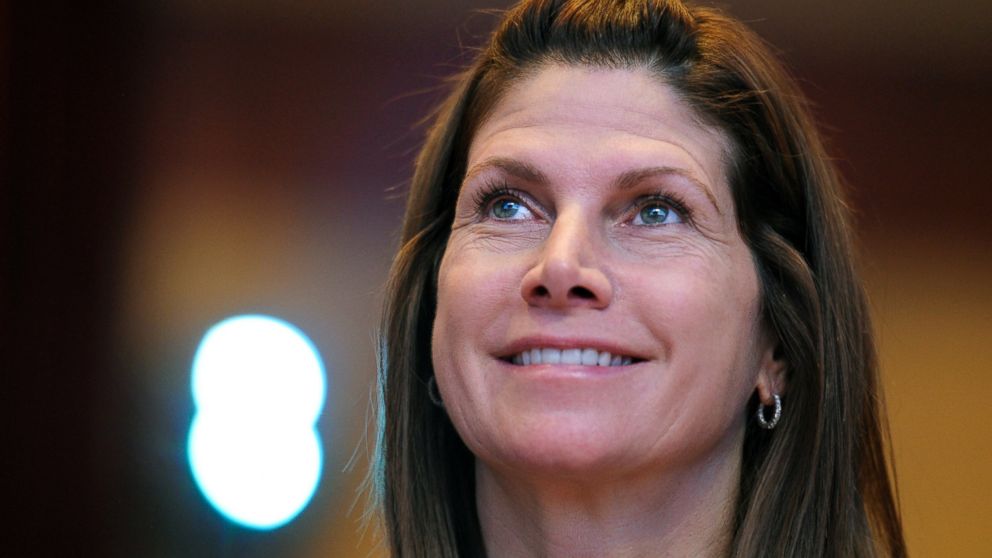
[(550, 342)]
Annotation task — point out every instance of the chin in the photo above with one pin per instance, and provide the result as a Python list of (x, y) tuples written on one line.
[(563, 446)]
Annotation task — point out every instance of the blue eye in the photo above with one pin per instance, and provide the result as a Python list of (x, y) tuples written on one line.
[(656, 213), (509, 209)]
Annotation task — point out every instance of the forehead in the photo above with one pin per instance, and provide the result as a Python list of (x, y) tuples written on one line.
[(592, 114)]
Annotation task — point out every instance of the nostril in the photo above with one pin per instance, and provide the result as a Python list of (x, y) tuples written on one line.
[(541, 291), (581, 292)]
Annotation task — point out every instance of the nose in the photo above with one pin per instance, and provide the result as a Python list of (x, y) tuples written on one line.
[(568, 272)]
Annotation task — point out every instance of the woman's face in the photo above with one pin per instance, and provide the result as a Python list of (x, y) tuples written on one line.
[(598, 311)]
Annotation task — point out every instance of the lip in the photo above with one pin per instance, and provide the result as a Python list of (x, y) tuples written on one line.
[(543, 341)]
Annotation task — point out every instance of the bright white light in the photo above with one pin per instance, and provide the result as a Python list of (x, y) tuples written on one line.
[(259, 386), (262, 477)]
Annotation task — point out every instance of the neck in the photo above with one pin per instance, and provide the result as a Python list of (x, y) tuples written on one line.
[(686, 513)]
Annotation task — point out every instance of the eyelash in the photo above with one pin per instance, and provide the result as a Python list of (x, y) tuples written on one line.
[(673, 201), (491, 192), (496, 190)]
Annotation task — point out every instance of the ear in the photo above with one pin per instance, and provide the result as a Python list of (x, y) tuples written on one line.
[(771, 372)]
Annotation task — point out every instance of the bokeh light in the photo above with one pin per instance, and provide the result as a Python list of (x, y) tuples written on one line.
[(259, 385)]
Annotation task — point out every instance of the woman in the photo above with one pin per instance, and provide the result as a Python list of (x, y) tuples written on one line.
[(624, 319)]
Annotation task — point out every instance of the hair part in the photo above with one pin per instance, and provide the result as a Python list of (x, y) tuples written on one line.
[(816, 486)]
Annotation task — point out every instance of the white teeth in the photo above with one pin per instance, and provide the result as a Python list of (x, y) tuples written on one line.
[(604, 359), (550, 356), (589, 357), (571, 356), (585, 357)]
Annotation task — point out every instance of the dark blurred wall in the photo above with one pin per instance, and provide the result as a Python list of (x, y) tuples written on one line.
[(171, 164), (69, 108)]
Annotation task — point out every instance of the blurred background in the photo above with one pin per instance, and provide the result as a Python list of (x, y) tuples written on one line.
[(171, 164)]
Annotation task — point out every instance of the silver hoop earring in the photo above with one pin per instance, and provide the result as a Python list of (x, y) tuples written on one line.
[(434, 393), (770, 424)]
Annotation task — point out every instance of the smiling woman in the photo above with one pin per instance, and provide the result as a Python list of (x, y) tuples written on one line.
[(624, 320), (563, 263)]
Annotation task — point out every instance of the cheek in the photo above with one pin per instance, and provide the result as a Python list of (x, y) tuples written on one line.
[(705, 314), (705, 326), (476, 296), (475, 290), (446, 320)]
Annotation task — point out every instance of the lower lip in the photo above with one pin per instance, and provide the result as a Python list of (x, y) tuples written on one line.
[(566, 370)]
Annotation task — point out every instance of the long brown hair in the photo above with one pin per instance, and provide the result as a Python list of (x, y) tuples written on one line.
[(818, 485)]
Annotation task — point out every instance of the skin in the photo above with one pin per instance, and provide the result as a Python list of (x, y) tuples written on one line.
[(572, 460)]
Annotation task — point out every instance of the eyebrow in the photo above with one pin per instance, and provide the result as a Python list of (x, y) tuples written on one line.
[(627, 180), (632, 178), (513, 167)]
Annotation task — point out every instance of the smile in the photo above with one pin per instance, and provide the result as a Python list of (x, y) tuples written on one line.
[(584, 357)]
